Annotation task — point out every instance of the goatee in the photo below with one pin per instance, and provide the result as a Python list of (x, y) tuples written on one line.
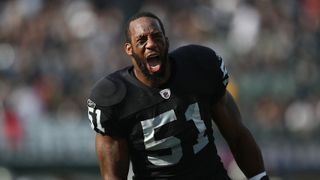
[(143, 67)]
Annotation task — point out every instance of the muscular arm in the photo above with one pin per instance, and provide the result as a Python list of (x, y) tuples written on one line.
[(112, 153), (243, 146)]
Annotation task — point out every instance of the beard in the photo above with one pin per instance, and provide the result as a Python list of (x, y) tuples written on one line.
[(143, 67)]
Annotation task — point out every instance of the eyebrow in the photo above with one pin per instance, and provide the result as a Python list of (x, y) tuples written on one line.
[(140, 36), (152, 33)]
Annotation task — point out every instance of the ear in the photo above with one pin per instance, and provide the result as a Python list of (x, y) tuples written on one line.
[(128, 48)]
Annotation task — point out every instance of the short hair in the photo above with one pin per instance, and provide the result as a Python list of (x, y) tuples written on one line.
[(137, 16)]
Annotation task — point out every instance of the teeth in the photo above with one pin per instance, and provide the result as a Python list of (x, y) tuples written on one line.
[(153, 56), (154, 64)]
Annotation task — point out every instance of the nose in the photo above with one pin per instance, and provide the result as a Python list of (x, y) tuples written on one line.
[(150, 43)]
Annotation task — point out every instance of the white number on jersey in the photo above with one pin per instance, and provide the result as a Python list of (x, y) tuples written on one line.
[(174, 144), (95, 114)]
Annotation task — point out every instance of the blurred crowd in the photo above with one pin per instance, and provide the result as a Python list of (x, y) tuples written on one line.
[(51, 53)]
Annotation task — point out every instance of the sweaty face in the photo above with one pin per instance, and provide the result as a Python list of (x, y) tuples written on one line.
[(149, 47)]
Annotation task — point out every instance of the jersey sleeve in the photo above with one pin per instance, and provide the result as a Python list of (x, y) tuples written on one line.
[(222, 78), (102, 107), (104, 120), (213, 72)]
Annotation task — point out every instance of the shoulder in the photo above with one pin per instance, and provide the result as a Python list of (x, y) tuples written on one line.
[(194, 51), (198, 59), (109, 90), (194, 48), (199, 69)]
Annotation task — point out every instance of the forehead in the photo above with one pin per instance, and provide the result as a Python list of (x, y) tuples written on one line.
[(144, 25)]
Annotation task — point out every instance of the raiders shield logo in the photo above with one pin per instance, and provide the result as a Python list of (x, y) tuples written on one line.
[(165, 93), (91, 104)]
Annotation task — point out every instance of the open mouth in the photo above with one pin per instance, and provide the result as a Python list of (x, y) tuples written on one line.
[(154, 63)]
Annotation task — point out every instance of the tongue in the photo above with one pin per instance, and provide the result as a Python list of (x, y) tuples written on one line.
[(154, 65), (155, 68)]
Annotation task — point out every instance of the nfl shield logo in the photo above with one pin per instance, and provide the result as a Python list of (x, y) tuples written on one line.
[(91, 104), (165, 93)]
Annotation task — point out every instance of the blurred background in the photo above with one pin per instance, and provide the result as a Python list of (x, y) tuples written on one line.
[(52, 52)]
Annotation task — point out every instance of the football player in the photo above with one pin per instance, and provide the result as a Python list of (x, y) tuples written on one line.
[(158, 113)]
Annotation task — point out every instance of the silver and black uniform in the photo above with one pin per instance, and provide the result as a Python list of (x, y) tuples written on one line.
[(169, 129)]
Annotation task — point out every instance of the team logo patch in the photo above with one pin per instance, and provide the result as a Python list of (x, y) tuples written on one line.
[(165, 93), (91, 103)]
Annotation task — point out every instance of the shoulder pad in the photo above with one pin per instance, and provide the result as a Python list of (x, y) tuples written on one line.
[(198, 69), (198, 56), (107, 91), (195, 50)]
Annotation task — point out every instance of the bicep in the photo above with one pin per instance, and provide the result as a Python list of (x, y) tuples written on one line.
[(113, 157), (227, 117)]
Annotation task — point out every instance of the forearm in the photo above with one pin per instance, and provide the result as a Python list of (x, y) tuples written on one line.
[(243, 146), (113, 158), (112, 169), (247, 154)]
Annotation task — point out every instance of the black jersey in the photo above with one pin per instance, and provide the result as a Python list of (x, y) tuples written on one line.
[(169, 128)]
